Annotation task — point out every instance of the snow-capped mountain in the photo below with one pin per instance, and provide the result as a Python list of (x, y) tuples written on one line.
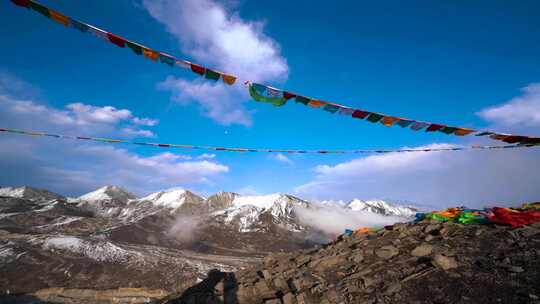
[(107, 193), (382, 207), (29, 193)]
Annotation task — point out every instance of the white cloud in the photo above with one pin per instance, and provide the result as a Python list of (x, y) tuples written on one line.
[(473, 178), (74, 167), (145, 121), (87, 114), (280, 157), (138, 132), (219, 102), (75, 117), (206, 155), (217, 37), (521, 110)]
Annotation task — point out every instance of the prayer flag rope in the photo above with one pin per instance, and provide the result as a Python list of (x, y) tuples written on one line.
[(267, 94), (226, 149)]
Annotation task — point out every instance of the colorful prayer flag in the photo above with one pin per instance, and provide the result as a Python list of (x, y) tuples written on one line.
[(331, 108), (288, 95), (434, 127), (258, 96), (197, 69), (183, 64), (417, 126), (346, 111), (212, 75), (404, 123), (228, 79), (317, 103), (167, 59), (79, 26), (374, 117), (360, 114), (40, 9), (150, 54), (56, 16), (98, 32), (389, 120), (137, 49), (118, 41), (447, 130), (463, 131), (302, 99), (22, 3)]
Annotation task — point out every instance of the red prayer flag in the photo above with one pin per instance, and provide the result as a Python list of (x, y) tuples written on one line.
[(23, 3), (197, 69), (288, 95), (119, 41), (434, 127), (360, 114)]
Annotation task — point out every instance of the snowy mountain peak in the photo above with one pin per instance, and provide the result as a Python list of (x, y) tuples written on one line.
[(107, 193), (172, 198), (262, 201), (29, 193), (381, 207)]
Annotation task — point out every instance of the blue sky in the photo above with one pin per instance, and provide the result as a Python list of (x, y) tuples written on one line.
[(464, 63)]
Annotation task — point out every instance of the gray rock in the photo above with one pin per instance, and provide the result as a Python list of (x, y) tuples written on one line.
[(444, 262), (422, 250), (516, 269), (387, 252), (289, 298)]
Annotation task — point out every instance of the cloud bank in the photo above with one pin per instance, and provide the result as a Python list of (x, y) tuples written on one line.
[(334, 219), (218, 37), (436, 179), (75, 167)]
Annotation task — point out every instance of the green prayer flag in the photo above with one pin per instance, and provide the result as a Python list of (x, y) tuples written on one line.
[(40, 9), (213, 75), (137, 49), (302, 99), (276, 101), (374, 117), (166, 59), (448, 130), (331, 108)]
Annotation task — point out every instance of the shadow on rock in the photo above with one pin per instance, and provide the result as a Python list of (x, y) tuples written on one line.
[(218, 288), (21, 299)]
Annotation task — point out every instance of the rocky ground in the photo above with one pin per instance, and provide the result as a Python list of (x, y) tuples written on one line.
[(427, 262)]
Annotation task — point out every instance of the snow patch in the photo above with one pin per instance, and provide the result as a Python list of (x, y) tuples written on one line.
[(100, 251)]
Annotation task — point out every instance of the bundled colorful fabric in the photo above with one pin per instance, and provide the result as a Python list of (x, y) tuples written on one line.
[(514, 218), (260, 93)]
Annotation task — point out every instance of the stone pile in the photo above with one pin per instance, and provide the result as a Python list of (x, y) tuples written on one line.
[(424, 262)]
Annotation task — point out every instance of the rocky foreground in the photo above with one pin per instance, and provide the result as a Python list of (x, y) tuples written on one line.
[(426, 262)]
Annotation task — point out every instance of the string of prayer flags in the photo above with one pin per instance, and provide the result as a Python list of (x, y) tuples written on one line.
[(241, 150), (267, 94), (117, 40)]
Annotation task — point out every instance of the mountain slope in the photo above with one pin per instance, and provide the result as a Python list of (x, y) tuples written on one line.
[(29, 193), (427, 262)]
